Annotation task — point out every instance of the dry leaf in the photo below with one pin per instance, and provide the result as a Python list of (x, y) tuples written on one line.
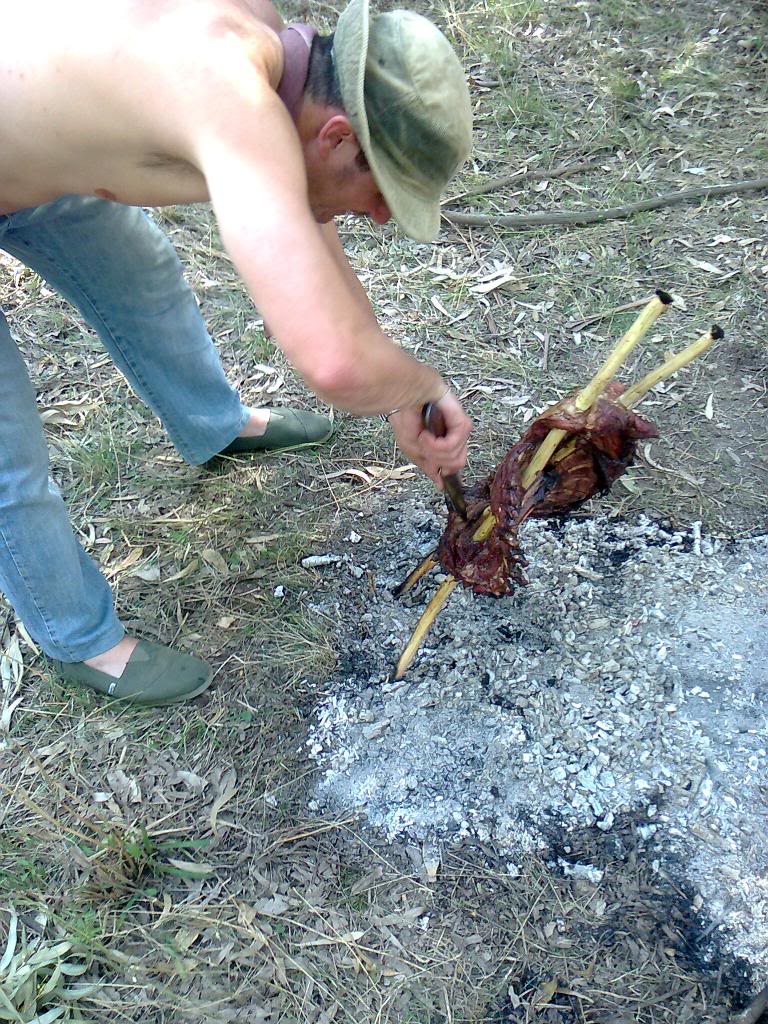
[(372, 475), (11, 671), (514, 999), (130, 560), (498, 280), (188, 867), (124, 787), (253, 948), (273, 906), (545, 992), (150, 574), (440, 307), (66, 413), (7, 713), (186, 571), (331, 940), (214, 559), (194, 782), (186, 937), (11, 665), (709, 267), (629, 484), (22, 630), (228, 786)]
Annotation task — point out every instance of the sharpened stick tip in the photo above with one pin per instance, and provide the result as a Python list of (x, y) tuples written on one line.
[(717, 332), (664, 297)]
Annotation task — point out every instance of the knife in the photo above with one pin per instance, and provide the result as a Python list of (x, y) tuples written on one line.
[(434, 421)]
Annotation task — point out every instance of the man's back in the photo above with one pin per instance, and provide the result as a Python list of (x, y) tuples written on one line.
[(107, 101)]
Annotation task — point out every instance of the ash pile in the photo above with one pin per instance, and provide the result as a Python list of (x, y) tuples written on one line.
[(627, 683)]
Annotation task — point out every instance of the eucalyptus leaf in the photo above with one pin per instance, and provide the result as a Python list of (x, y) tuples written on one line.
[(10, 947), (52, 983), (7, 1009), (50, 954), (190, 868), (49, 1016), (81, 991)]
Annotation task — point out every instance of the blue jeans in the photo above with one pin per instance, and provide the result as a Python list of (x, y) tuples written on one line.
[(124, 277)]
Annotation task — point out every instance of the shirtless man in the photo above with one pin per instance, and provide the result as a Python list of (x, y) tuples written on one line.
[(153, 102)]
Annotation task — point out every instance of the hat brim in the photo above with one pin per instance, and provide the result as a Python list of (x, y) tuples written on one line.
[(418, 215)]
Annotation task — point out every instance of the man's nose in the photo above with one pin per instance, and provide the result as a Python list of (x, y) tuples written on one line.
[(380, 212)]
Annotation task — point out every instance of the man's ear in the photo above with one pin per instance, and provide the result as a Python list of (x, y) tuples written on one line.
[(335, 132)]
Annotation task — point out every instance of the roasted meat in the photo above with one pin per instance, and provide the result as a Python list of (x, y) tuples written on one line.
[(600, 445)]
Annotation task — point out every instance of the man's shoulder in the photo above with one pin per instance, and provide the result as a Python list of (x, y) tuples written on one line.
[(232, 38), (218, 63)]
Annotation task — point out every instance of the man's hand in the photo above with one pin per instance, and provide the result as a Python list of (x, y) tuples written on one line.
[(431, 454)]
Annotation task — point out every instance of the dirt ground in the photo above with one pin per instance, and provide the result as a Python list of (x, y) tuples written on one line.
[(173, 854)]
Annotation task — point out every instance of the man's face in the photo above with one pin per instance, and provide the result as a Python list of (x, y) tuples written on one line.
[(349, 191), (338, 185)]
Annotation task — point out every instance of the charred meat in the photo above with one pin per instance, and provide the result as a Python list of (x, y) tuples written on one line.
[(601, 444)]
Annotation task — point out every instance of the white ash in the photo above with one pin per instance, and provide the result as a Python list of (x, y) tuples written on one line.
[(629, 678)]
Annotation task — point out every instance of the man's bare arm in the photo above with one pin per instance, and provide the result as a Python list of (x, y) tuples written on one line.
[(258, 190), (336, 249)]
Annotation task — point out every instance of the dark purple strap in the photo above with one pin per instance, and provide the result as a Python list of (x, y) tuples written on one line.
[(297, 42)]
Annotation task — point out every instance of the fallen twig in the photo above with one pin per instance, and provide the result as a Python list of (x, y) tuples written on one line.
[(577, 217), (537, 174)]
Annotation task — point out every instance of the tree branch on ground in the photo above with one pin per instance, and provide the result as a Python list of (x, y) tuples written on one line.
[(580, 217)]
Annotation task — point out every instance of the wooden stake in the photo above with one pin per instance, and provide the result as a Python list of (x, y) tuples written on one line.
[(634, 395), (648, 316), (431, 612), (487, 523), (444, 591), (413, 578), (638, 391)]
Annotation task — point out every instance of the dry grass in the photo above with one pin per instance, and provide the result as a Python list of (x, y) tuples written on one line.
[(174, 848)]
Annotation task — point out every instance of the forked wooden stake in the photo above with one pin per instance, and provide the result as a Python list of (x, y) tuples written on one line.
[(632, 396), (487, 522), (444, 591), (659, 304), (410, 581), (638, 391), (549, 446)]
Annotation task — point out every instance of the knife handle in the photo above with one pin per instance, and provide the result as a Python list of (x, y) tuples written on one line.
[(434, 420)]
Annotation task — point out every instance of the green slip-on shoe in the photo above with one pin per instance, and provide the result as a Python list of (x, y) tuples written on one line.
[(154, 675), (287, 428)]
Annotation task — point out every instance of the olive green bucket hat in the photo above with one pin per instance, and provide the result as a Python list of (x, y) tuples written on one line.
[(406, 97)]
